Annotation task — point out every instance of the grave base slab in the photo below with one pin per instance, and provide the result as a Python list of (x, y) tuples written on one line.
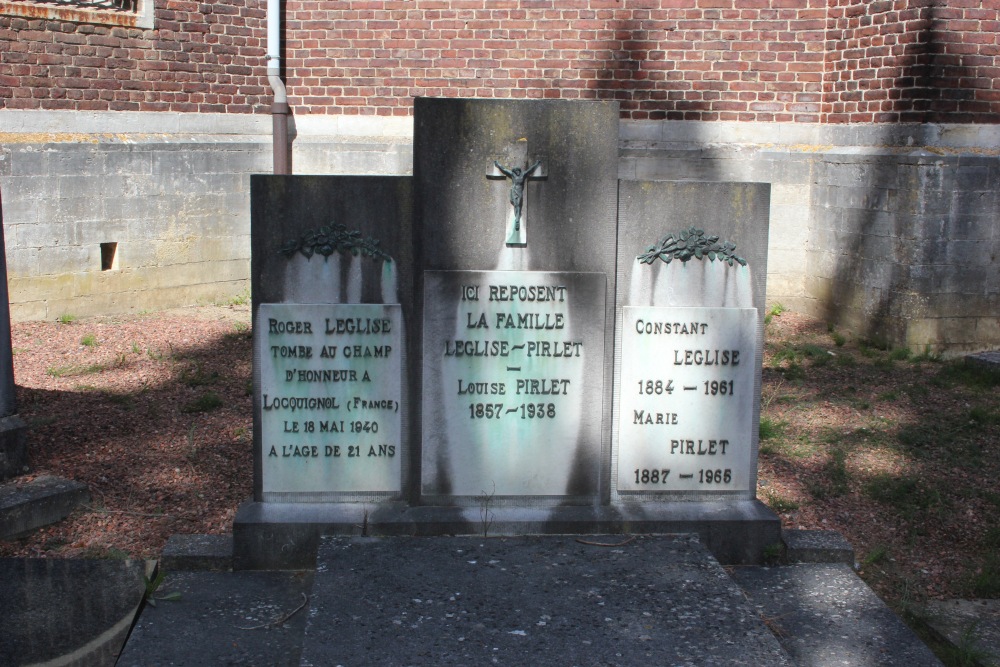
[(287, 535)]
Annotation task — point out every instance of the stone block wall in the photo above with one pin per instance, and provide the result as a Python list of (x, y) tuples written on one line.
[(890, 232), (171, 191)]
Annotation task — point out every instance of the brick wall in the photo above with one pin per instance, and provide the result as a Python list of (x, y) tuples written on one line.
[(831, 61), (199, 58), (913, 61), (673, 59)]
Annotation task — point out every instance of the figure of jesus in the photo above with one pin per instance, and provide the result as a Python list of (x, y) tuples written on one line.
[(517, 177)]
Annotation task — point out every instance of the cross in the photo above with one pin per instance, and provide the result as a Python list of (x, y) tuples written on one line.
[(517, 235)]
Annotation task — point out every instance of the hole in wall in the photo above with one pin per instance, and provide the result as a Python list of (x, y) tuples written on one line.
[(109, 256)]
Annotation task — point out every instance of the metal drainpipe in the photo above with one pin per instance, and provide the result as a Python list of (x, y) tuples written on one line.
[(279, 105)]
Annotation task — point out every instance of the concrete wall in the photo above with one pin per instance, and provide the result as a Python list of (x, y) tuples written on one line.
[(890, 231)]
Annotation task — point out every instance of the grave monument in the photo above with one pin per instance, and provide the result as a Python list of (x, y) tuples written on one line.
[(510, 341)]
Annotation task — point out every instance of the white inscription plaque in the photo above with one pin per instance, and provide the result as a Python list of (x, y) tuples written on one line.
[(513, 383), (687, 392), (330, 389)]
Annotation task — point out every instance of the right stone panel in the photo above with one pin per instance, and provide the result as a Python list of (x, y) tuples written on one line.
[(688, 384)]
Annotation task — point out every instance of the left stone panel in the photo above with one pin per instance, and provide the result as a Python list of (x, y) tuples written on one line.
[(330, 382), (332, 280)]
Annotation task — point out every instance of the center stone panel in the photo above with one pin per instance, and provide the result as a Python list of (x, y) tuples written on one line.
[(513, 381)]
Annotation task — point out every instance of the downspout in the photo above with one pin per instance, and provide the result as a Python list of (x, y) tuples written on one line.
[(279, 105)]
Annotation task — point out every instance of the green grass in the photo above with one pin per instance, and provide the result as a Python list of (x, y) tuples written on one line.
[(779, 503), (73, 370), (66, 319), (204, 403), (900, 354), (986, 582), (196, 376), (877, 554), (90, 340), (907, 495), (835, 479), (771, 428), (775, 311)]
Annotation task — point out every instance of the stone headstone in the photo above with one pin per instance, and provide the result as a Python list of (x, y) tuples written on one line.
[(13, 454), (331, 261), (481, 348), (692, 264), (545, 438)]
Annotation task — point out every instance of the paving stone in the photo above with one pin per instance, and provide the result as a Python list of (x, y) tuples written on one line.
[(25, 506), (543, 600), (197, 553), (817, 546), (970, 625), (223, 618), (825, 615), (987, 360)]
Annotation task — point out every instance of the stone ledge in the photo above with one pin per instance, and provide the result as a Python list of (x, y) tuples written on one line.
[(985, 360), (13, 452), (25, 506), (286, 535), (817, 546), (204, 553)]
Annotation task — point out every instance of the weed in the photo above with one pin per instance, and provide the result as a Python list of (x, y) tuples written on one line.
[(152, 585), (887, 396), (192, 446), (926, 355), (866, 350), (241, 327), (241, 299), (846, 360), (774, 554), (775, 311), (900, 354), (793, 372), (73, 370), (39, 422), (195, 376), (877, 554), (66, 319), (204, 403), (981, 416), (90, 340), (991, 540), (986, 582), (836, 478), (906, 494), (136, 349), (916, 391), (122, 399), (485, 514), (770, 428), (973, 377), (838, 339), (155, 355), (779, 503)]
